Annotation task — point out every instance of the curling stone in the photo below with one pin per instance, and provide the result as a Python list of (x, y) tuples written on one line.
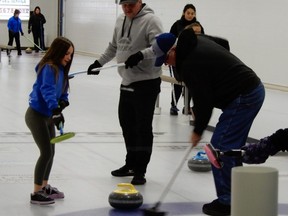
[(28, 50), (125, 197), (199, 163)]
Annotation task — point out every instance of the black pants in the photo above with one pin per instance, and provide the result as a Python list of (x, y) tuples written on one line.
[(38, 37), (136, 110), (178, 91), (15, 35), (42, 129)]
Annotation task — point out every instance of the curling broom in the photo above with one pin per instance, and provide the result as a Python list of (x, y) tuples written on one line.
[(63, 136), (34, 44), (215, 154), (154, 210)]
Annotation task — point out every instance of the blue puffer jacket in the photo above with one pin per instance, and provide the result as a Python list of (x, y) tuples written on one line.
[(48, 90), (14, 24)]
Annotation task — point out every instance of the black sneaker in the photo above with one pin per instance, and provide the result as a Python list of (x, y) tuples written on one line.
[(216, 208), (40, 198), (123, 171), (174, 110), (53, 192), (138, 180), (189, 110)]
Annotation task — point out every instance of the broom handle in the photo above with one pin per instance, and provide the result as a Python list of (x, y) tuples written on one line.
[(173, 87), (175, 174), (33, 43), (61, 128), (233, 153), (100, 68)]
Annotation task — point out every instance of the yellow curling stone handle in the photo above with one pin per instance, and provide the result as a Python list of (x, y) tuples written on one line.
[(125, 188)]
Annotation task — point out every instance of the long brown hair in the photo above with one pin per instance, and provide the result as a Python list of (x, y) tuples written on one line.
[(55, 54)]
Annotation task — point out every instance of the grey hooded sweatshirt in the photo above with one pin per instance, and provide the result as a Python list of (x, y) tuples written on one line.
[(131, 36)]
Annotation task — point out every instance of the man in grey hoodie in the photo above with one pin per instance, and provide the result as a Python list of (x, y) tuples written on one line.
[(135, 31)]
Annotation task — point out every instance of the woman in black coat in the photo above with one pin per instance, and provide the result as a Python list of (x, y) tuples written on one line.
[(36, 25), (188, 17)]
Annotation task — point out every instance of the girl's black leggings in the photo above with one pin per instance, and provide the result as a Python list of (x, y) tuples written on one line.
[(42, 129)]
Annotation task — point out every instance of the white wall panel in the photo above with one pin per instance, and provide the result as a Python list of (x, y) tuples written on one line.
[(90, 23), (257, 29)]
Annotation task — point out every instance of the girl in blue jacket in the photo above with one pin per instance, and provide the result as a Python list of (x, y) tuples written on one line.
[(46, 102)]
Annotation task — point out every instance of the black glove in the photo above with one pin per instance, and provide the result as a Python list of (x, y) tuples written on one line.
[(29, 31), (133, 60), (58, 118), (96, 64), (22, 33), (63, 104)]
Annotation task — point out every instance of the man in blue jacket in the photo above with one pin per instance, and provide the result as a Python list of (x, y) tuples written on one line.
[(14, 29)]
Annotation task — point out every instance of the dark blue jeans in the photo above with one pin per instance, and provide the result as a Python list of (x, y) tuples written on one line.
[(231, 132), (136, 110)]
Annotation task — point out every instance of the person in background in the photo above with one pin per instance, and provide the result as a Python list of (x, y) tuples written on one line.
[(218, 79), (255, 152), (47, 100), (14, 29), (134, 32), (259, 152), (36, 26), (188, 17)]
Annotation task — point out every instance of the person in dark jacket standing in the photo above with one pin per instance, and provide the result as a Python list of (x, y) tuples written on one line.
[(188, 17), (218, 79), (36, 25), (14, 29)]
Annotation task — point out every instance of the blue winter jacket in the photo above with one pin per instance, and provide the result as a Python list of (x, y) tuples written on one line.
[(48, 90), (14, 24)]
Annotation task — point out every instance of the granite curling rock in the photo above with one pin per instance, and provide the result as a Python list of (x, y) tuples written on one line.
[(199, 163), (125, 197)]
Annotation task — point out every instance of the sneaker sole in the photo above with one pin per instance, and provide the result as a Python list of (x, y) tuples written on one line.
[(56, 196), (122, 175), (138, 182), (42, 202), (214, 213), (173, 114)]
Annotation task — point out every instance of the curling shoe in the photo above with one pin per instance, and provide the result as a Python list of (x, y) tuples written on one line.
[(174, 110), (123, 171), (216, 208), (189, 110), (53, 192), (138, 179), (41, 198)]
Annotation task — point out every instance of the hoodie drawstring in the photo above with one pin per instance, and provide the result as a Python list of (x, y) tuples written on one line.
[(122, 34)]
